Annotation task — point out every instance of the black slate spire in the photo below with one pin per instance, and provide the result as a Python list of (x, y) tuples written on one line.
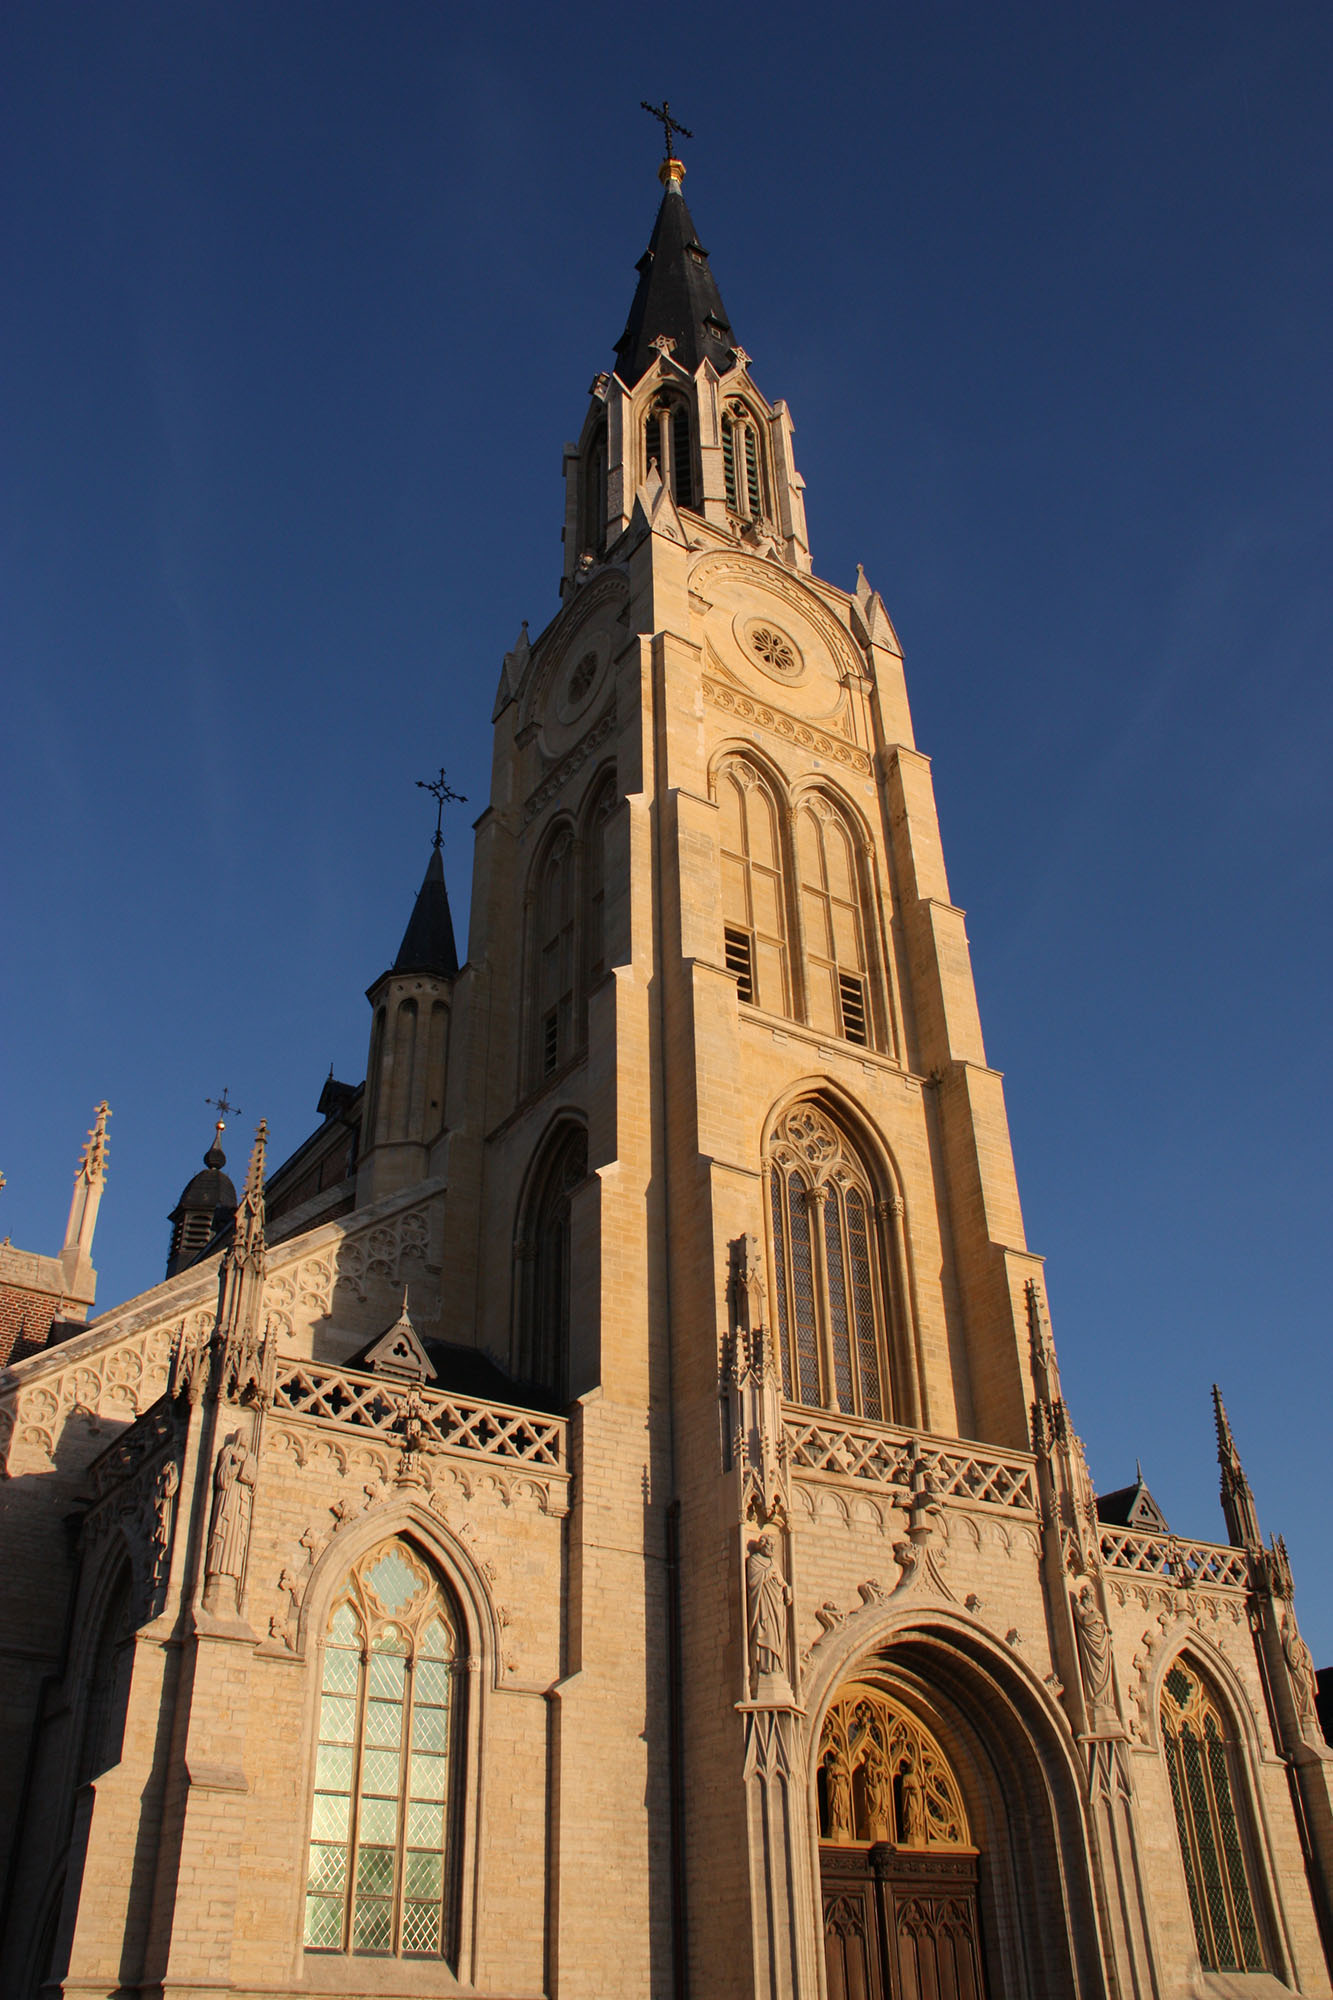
[(428, 941), (677, 295)]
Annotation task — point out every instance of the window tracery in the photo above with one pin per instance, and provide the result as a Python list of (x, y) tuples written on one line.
[(754, 913), (882, 1776), (544, 1264), (378, 1868), (836, 961), (1200, 1761), (554, 956), (829, 1297)]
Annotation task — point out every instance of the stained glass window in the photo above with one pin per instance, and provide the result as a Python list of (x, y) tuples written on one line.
[(828, 1278), (378, 1861), (1218, 1880)]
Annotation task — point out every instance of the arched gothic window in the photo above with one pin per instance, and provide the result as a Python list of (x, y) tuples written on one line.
[(667, 440), (544, 1264), (554, 956), (829, 1292), (743, 463), (599, 810), (109, 1682), (1201, 1760), (836, 962), (754, 904), (378, 1876)]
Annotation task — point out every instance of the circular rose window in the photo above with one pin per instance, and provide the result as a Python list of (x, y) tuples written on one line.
[(775, 652)]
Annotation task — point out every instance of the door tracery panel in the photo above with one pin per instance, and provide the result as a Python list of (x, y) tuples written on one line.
[(897, 1864)]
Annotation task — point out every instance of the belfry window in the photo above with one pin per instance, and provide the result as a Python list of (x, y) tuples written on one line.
[(593, 527), (1201, 1761), (836, 969), (828, 1293), (743, 463), (667, 440), (554, 956), (753, 898), (378, 1872)]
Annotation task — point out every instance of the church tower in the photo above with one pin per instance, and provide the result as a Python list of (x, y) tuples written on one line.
[(631, 1539)]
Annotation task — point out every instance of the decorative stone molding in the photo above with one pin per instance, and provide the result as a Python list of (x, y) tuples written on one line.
[(1182, 1563), (572, 761), (847, 1449), (763, 715)]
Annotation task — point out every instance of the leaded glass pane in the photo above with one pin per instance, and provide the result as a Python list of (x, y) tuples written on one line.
[(328, 1870), (1248, 1931), (380, 1771), (333, 1768), (372, 1925), (803, 1287), (323, 1923), (340, 1671), (425, 1824), (384, 1722), (436, 1644), (395, 1581), (431, 1681), (337, 1719), (428, 1776), (839, 1329), (379, 1819), (331, 1817), (430, 1729), (1225, 1955), (421, 1927), (423, 1875), (344, 1627), (387, 1673), (780, 1281), (1186, 1849), (863, 1306), (374, 1871)]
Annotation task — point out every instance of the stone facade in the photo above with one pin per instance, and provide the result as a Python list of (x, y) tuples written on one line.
[(785, 1650)]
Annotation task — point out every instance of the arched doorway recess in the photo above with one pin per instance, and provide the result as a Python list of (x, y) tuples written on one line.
[(997, 1901)]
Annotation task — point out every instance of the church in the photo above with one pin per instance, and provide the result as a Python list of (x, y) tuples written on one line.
[(601, 1519)]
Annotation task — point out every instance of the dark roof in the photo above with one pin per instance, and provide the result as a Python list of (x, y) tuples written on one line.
[(678, 296), (428, 941), (1131, 1507), (210, 1189), (466, 1371)]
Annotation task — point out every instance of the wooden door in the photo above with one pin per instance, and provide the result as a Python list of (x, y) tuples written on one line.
[(900, 1925)]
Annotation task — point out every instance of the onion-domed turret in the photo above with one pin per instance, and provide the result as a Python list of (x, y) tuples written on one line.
[(207, 1203)]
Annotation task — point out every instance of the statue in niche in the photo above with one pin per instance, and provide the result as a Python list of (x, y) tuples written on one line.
[(839, 1790), (229, 1524), (1300, 1666), (911, 1805), (768, 1596), (1094, 1655), (877, 1776)]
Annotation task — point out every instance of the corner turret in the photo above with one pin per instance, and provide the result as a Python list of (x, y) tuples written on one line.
[(207, 1204)]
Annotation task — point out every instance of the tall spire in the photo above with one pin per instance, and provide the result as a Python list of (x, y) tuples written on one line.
[(677, 304), (1238, 1506), (76, 1253), (428, 942)]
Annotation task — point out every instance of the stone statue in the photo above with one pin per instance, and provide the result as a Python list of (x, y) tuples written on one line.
[(878, 1779), (839, 1795), (1300, 1666), (229, 1525), (912, 1805), (767, 1595), (1094, 1655), (164, 1504)]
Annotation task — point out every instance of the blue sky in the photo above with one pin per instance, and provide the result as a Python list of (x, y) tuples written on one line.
[(304, 301)]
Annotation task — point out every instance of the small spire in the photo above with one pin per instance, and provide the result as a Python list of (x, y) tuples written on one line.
[(248, 1243), (677, 296), (92, 1160), (428, 942), (1238, 1508)]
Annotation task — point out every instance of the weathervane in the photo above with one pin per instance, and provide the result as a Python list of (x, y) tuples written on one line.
[(669, 124), (443, 795)]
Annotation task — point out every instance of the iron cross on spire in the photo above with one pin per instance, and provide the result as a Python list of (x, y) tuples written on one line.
[(223, 1105), (443, 795), (669, 124)]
